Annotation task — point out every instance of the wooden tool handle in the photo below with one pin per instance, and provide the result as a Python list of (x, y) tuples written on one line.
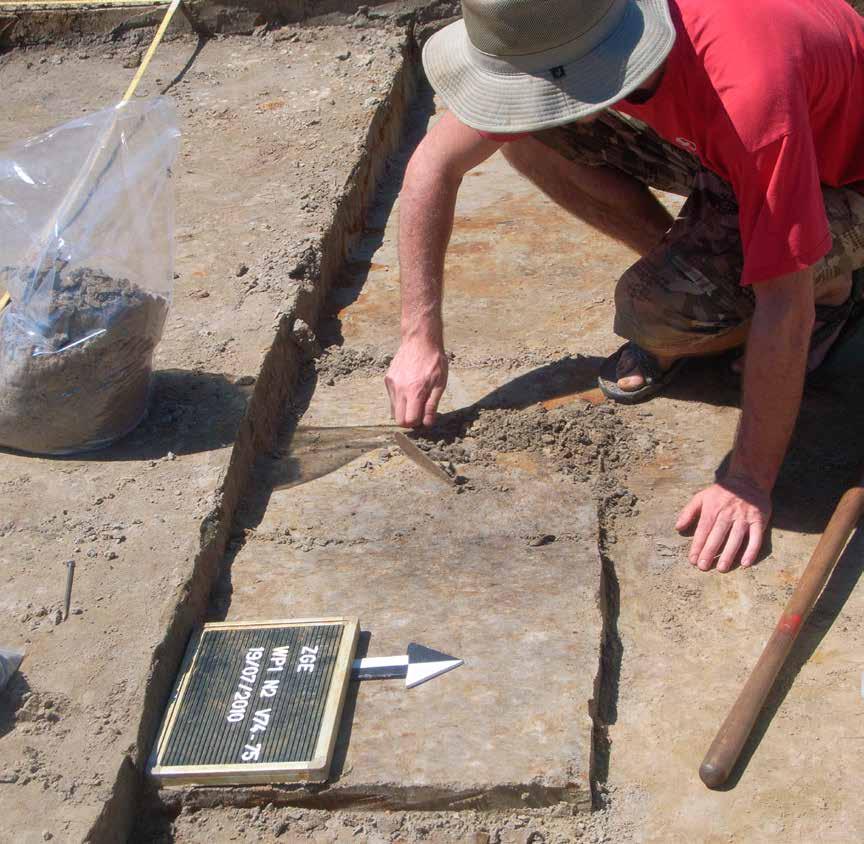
[(145, 61), (730, 739)]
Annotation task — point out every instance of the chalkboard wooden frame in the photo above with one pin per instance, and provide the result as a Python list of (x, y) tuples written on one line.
[(313, 770)]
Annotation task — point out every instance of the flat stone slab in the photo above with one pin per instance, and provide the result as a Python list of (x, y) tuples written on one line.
[(458, 573)]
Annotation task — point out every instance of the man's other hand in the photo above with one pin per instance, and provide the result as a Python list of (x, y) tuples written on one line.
[(732, 518), (415, 382)]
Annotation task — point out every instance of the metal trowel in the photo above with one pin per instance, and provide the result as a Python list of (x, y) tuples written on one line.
[(317, 451), (426, 463)]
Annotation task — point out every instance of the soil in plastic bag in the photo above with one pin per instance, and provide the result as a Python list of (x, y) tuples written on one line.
[(87, 255), (59, 394)]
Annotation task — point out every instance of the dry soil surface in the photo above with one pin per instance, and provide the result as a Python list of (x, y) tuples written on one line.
[(529, 312), (272, 129)]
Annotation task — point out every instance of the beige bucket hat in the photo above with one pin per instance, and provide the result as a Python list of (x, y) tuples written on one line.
[(525, 65)]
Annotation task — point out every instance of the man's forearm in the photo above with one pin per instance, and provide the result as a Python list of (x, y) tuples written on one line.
[(417, 376), (773, 383), (427, 206)]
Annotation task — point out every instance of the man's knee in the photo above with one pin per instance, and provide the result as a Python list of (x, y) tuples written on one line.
[(655, 308), (523, 155), (649, 312)]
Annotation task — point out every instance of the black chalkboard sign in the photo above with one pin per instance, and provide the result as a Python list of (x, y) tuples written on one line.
[(257, 702)]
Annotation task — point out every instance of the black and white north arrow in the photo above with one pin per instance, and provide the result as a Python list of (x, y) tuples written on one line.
[(417, 666)]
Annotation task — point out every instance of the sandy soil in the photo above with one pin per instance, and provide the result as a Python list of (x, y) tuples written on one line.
[(677, 643), (554, 826), (272, 129)]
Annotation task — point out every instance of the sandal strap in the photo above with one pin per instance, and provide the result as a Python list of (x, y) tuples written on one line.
[(857, 294), (647, 362), (834, 314)]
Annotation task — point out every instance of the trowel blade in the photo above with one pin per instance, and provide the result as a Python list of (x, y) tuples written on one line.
[(425, 463)]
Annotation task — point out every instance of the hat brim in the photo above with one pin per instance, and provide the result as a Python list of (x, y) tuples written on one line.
[(509, 100)]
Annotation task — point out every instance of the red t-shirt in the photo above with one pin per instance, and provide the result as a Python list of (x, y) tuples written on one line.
[(770, 95)]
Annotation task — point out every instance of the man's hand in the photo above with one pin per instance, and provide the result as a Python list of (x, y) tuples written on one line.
[(732, 514), (415, 381)]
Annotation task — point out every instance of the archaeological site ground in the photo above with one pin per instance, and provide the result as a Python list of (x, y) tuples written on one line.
[(264, 484)]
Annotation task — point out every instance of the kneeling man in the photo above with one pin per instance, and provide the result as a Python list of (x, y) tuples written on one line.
[(753, 109)]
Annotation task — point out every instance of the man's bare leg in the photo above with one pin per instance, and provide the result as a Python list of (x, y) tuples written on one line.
[(607, 199)]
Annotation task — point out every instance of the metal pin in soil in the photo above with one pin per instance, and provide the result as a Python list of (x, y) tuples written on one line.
[(70, 576)]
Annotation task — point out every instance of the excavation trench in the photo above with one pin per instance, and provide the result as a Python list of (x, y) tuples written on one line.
[(315, 267), (239, 502), (510, 570)]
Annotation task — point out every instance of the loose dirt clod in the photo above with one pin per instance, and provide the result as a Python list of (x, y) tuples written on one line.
[(578, 440), (585, 442), (341, 362), (83, 379)]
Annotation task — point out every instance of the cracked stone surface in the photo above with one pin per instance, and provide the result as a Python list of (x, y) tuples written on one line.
[(461, 573)]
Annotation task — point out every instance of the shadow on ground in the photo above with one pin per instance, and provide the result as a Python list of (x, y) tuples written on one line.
[(280, 469), (190, 412), (825, 457), (181, 74), (12, 698)]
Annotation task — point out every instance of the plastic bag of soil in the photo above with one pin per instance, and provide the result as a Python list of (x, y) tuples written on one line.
[(87, 256), (9, 662)]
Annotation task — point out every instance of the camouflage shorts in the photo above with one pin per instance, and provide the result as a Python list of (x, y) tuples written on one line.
[(685, 296)]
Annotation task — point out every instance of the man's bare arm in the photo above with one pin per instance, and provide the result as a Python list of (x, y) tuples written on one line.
[(418, 374), (733, 513), (774, 376)]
